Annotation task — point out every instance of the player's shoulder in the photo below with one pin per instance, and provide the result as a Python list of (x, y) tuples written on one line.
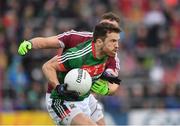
[(83, 33), (74, 56), (86, 45), (77, 33)]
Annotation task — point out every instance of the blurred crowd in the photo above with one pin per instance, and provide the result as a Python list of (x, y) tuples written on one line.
[(149, 49)]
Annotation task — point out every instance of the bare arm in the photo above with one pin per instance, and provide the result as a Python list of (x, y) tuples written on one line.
[(45, 42), (49, 69), (113, 88)]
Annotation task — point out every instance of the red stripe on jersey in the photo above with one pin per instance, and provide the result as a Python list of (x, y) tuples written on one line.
[(93, 49), (61, 65), (66, 111)]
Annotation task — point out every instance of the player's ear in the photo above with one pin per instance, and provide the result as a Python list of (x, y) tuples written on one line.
[(99, 41)]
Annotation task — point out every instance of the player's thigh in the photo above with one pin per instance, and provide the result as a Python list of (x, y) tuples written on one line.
[(82, 119), (97, 115), (96, 110), (61, 113)]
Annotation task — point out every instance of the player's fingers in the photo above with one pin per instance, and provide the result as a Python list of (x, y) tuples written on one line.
[(99, 83), (25, 49), (29, 46), (92, 89), (102, 82), (21, 52), (65, 86), (95, 86)]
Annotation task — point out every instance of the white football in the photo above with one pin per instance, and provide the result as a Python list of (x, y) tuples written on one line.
[(79, 80)]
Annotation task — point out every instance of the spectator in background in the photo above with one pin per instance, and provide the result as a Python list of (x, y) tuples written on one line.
[(16, 19)]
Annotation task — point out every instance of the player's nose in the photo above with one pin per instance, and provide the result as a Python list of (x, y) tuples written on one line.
[(116, 45)]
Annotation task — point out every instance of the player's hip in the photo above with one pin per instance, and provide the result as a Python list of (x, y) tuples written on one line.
[(61, 111)]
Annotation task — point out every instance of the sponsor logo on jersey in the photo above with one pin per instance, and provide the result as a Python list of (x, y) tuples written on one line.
[(94, 70), (72, 106)]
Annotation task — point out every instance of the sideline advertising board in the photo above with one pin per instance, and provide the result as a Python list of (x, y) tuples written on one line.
[(25, 118), (154, 117)]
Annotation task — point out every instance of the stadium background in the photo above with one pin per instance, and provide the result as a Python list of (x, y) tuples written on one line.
[(149, 57)]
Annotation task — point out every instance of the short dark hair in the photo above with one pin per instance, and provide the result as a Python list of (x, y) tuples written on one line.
[(101, 30), (111, 16)]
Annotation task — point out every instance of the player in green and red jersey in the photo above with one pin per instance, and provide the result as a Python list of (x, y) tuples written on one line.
[(92, 57), (72, 38)]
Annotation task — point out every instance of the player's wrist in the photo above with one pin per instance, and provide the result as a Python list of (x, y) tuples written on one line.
[(30, 42), (107, 92), (60, 88)]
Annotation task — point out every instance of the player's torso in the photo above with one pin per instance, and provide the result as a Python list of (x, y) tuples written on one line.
[(72, 38), (84, 57)]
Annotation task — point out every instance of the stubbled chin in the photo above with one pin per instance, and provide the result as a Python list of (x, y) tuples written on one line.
[(112, 55)]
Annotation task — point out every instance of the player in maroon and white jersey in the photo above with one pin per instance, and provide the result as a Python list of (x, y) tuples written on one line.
[(70, 39), (91, 56)]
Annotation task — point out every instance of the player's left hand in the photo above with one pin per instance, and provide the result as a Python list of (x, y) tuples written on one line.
[(24, 47), (68, 95), (100, 87)]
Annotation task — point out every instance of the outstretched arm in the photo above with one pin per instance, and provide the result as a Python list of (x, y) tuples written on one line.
[(39, 43), (45, 42), (68, 39)]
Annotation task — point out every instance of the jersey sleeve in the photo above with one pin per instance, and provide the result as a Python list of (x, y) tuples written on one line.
[(72, 38), (113, 63)]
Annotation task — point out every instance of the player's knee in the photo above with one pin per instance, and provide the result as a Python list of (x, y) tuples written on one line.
[(101, 122), (82, 119)]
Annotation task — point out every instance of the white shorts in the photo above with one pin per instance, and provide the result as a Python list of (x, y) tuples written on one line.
[(63, 113)]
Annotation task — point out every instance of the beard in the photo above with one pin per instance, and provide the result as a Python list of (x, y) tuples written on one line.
[(112, 54)]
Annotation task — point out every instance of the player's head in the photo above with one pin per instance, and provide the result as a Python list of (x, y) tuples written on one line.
[(106, 37), (110, 18)]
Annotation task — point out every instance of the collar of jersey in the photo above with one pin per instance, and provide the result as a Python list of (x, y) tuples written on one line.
[(93, 49)]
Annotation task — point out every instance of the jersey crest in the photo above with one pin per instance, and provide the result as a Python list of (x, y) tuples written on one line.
[(95, 71)]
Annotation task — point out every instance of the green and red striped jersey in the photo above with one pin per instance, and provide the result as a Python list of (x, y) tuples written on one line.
[(82, 56)]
